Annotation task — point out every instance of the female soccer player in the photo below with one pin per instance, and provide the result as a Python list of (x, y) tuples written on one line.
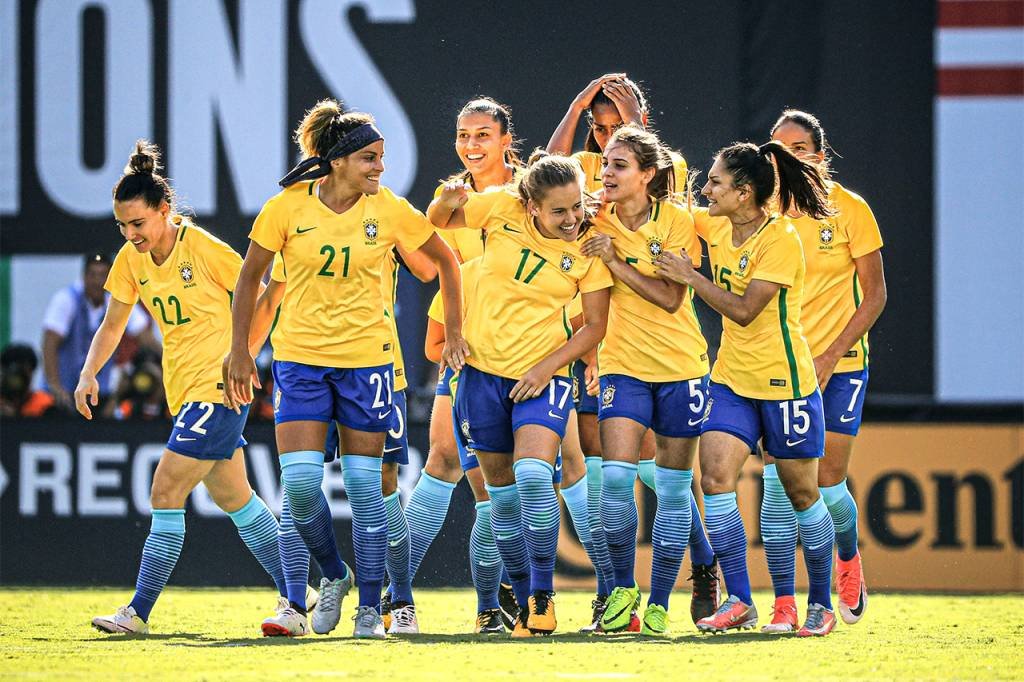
[(514, 398), (184, 276), (763, 383), (334, 226), (653, 367), (844, 294)]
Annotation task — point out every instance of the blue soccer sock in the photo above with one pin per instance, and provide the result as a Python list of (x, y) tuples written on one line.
[(619, 517), (778, 530), (645, 470), (506, 579), (507, 526), (576, 499), (843, 509), (484, 559), (398, 550), (425, 514), (671, 534), (729, 540), (541, 519), (159, 556), (601, 559), (701, 553), (258, 529), (302, 473), (294, 555), (817, 536), (369, 524)]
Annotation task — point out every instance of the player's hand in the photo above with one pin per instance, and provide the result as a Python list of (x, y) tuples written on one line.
[(824, 366), (677, 268), (599, 245), (592, 376), (240, 377), (625, 100), (455, 351), (533, 384), (87, 393), (454, 194), (586, 96), (229, 401)]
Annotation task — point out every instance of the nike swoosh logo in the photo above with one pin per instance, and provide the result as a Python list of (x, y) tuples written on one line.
[(551, 413), (488, 563), (303, 230), (180, 439), (381, 415), (790, 444), (393, 449), (509, 229), (374, 529), (534, 528), (694, 422), (499, 536), (844, 420), (395, 543), (671, 544), (142, 282)]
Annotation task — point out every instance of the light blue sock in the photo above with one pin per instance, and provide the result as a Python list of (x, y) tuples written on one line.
[(541, 518), (507, 526), (425, 514), (645, 469), (601, 559), (258, 529), (576, 499), (484, 559), (398, 550), (294, 555), (843, 509), (159, 556), (817, 536), (302, 473), (701, 553), (778, 530), (369, 524), (729, 540), (671, 534), (619, 517)]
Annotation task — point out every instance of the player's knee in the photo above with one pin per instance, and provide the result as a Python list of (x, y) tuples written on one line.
[(716, 483), (802, 498), (443, 463)]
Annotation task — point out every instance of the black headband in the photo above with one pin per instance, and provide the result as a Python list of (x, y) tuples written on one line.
[(317, 167)]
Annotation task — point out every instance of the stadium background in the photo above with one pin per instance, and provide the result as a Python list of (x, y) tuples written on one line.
[(924, 101)]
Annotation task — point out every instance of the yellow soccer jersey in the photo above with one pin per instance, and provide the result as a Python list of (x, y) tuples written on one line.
[(334, 308), (517, 316), (769, 359), (831, 293), (189, 296), (643, 340), (592, 169), (468, 241)]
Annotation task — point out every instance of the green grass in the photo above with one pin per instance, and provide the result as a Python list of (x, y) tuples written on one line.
[(213, 634)]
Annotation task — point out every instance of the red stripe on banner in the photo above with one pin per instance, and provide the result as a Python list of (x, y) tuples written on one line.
[(979, 13), (980, 81)]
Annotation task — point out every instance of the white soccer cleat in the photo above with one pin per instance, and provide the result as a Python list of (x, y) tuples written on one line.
[(125, 621), (327, 613), (311, 598), (287, 623), (369, 624), (403, 621)]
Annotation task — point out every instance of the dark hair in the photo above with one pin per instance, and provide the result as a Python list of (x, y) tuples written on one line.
[(590, 144), (650, 153), (811, 124), (500, 114), (19, 355), (801, 184), (324, 124), (141, 179), (93, 257)]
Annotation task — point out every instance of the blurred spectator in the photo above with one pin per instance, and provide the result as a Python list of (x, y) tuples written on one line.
[(17, 399), (72, 318), (140, 391)]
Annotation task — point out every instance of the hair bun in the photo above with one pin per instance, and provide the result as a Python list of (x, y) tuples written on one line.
[(537, 154), (145, 159)]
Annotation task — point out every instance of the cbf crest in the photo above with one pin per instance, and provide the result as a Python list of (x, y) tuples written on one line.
[(465, 430), (187, 272), (607, 395), (566, 262), (654, 247), (744, 263), (370, 230), (826, 234)]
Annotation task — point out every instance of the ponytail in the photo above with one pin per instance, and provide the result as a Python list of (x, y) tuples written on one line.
[(801, 184), (325, 134), (141, 179)]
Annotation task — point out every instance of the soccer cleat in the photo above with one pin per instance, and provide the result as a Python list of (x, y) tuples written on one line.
[(508, 605), (403, 620), (731, 615), (327, 613), (819, 623), (595, 622), (488, 622), (311, 598), (655, 621), (620, 607), (519, 629), (369, 624), (706, 593), (784, 616), (853, 591), (385, 609), (541, 620), (124, 620), (287, 623), (634, 622)]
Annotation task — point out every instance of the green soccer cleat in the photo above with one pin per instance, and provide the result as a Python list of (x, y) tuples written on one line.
[(655, 621), (619, 607)]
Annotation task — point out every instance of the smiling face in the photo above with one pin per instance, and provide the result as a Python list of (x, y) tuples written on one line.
[(724, 198), (361, 170), (479, 142), (559, 213), (145, 227), (622, 177), (798, 140)]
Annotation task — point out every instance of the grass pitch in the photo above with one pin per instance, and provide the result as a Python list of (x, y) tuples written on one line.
[(214, 634)]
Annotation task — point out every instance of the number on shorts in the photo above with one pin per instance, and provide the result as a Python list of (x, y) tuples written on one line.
[(857, 385), (382, 383), (207, 409), (697, 392), (566, 390), (799, 422), (401, 424)]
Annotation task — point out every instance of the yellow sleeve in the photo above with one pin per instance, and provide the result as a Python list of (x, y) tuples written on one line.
[(223, 262), (271, 227), (481, 206), (683, 235), (120, 282), (414, 228), (597, 277), (701, 221), (778, 259), (861, 227), (277, 271), (436, 310), (591, 163)]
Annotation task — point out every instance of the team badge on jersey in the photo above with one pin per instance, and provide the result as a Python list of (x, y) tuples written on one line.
[(575, 390), (744, 262), (370, 230), (826, 234), (654, 247), (608, 395), (186, 272), (566, 262), (277, 399), (465, 430)]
